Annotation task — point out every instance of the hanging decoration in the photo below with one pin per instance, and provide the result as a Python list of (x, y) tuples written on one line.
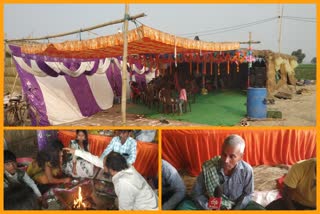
[(228, 67)]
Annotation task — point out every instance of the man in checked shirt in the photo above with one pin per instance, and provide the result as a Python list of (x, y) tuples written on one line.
[(123, 144), (227, 177)]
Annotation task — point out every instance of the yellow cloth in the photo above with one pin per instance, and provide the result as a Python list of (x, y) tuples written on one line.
[(302, 178), (37, 173)]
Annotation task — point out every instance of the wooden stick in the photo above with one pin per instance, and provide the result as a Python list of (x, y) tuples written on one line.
[(14, 85), (280, 29), (124, 66), (80, 30)]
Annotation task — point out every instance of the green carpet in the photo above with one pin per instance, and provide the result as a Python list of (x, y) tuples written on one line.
[(218, 108)]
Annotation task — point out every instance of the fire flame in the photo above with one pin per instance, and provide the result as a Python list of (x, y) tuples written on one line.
[(77, 203)]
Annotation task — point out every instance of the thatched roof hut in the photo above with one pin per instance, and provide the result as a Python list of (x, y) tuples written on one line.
[(278, 64)]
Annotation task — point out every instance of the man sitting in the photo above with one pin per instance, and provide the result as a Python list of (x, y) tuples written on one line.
[(123, 144), (173, 188), (299, 192), (227, 177)]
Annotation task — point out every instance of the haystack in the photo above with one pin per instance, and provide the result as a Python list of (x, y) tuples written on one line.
[(281, 65)]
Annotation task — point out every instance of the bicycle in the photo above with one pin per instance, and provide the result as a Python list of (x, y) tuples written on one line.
[(12, 112), (17, 111)]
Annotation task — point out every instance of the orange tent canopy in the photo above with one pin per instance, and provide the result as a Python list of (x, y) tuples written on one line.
[(141, 40)]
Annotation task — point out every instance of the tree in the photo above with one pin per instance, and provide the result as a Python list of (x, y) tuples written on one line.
[(314, 60), (300, 56)]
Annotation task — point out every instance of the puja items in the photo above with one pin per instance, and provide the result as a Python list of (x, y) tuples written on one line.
[(104, 188)]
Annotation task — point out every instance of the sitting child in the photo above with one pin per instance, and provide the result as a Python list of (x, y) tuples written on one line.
[(14, 176), (182, 98), (46, 170)]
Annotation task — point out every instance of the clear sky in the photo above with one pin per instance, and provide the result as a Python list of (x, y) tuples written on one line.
[(23, 20)]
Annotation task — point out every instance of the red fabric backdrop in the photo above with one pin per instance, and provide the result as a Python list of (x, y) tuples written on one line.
[(147, 153), (188, 149)]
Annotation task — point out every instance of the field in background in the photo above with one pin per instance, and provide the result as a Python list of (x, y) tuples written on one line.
[(306, 72)]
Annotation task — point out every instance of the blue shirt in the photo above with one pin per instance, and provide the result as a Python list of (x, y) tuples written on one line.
[(173, 188), (238, 187), (129, 147)]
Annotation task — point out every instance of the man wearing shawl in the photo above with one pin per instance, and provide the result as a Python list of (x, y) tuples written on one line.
[(228, 178)]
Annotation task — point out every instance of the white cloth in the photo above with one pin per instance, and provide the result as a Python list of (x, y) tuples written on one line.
[(265, 197), (150, 76), (143, 69), (103, 65), (84, 168), (60, 67), (101, 90), (32, 70), (146, 136), (60, 102), (95, 160), (133, 191)]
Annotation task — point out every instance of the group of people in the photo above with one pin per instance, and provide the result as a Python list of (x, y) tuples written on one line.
[(229, 181), (52, 166), (226, 179), (159, 87)]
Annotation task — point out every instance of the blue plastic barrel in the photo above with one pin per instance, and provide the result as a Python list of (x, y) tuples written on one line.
[(256, 105)]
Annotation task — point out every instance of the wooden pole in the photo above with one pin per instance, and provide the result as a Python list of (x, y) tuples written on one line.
[(81, 30), (280, 29), (250, 42), (124, 66), (250, 62), (14, 85)]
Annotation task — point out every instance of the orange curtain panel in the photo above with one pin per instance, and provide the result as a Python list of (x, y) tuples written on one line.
[(147, 153), (188, 149)]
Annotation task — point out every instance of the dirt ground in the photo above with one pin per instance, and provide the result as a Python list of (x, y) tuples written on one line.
[(298, 111), (112, 117)]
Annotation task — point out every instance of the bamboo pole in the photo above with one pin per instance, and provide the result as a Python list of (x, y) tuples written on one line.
[(80, 30), (124, 66), (250, 62), (14, 85), (280, 29)]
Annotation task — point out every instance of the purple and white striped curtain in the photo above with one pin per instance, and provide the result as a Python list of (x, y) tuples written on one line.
[(66, 90)]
